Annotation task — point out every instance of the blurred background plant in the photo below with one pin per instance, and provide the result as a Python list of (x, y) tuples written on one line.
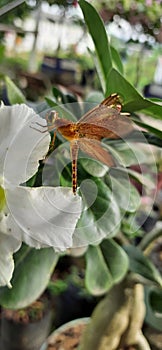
[(36, 31), (130, 248)]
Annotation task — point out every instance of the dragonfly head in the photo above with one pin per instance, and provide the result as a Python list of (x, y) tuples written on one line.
[(51, 118)]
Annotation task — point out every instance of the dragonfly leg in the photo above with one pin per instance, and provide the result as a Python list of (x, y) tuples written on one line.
[(46, 128), (52, 141), (42, 126)]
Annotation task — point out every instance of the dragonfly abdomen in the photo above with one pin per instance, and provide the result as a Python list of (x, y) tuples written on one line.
[(74, 175), (74, 156)]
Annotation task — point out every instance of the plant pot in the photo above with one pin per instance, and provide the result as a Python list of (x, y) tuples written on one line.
[(21, 335), (73, 304), (66, 337)]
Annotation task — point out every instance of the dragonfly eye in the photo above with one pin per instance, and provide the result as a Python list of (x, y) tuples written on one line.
[(51, 117)]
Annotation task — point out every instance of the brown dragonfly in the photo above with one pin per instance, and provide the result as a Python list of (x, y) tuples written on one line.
[(103, 121)]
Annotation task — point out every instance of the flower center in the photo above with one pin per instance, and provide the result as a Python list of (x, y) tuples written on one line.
[(2, 199)]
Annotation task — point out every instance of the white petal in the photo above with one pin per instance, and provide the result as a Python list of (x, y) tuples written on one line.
[(10, 227), (21, 146), (8, 245), (46, 215)]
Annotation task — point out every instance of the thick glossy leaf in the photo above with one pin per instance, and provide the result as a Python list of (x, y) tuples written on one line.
[(146, 137), (31, 276), (133, 101), (97, 278), (129, 153), (139, 177), (99, 36), (106, 265), (105, 206), (153, 299), (130, 226), (14, 93), (125, 193), (152, 137), (156, 300), (142, 178), (101, 215), (116, 259), (94, 168), (141, 265)]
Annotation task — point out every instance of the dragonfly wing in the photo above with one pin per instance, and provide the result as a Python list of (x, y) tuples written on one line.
[(105, 120), (109, 123), (112, 101), (94, 149)]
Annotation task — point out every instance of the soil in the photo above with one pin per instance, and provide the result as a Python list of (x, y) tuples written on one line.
[(66, 340), (69, 339), (32, 313)]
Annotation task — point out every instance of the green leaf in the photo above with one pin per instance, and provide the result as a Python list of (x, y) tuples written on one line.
[(62, 110), (64, 98), (153, 140), (31, 276), (125, 193), (116, 59), (133, 101), (13, 92), (99, 36), (152, 109), (51, 101), (105, 265), (141, 265), (99, 69), (117, 83), (97, 277), (58, 94), (148, 127), (116, 259), (156, 300), (69, 101), (138, 136), (93, 167), (142, 178), (94, 97), (130, 226), (153, 299), (130, 153), (101, 215)]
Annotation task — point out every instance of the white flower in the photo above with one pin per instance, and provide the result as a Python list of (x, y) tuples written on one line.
[(42, 216)]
